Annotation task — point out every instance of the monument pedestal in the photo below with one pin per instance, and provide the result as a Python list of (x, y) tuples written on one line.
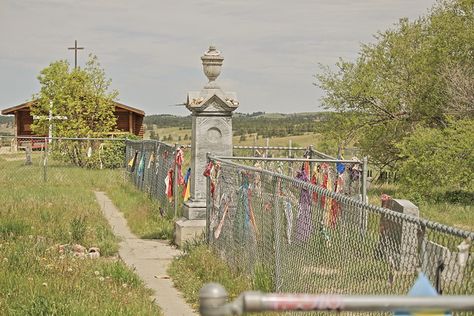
[(193, 224), (211, 113)]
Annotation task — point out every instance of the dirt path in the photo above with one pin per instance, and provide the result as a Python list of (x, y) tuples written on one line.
[(150, 258)]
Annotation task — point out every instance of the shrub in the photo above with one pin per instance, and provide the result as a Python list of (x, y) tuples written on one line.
[(437, 161)]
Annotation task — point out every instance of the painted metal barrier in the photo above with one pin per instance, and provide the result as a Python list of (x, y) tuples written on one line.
[(213, 302)]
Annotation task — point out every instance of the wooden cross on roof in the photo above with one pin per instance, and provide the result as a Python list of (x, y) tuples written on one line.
[(75, 48)]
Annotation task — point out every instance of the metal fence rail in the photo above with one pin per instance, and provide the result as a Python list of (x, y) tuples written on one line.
[(279, 151), (213, 302), (291, 236)]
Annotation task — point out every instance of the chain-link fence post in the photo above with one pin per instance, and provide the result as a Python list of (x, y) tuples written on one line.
[(364, 179), (277, 233), (311, 151)]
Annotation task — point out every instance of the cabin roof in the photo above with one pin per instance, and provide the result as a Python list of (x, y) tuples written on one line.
[(28, 104)]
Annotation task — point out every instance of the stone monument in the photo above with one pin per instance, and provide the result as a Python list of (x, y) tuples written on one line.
[(398, 240), (211, 112)]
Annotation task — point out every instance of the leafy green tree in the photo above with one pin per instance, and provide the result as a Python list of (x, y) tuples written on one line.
[(400, 83), (82, 105), (81, 95), (439, 160)]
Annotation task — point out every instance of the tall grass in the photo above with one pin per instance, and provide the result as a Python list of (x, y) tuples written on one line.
[(459, 215), (35, 218), (143, 215), (200, 265)]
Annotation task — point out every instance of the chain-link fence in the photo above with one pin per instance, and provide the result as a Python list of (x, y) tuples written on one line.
[(341, 176), (39, 159), (160, 170), (289, 235)]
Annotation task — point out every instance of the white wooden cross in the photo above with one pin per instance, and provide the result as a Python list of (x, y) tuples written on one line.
[(50, 119)]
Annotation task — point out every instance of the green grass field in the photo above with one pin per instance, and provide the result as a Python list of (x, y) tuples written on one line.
[(458, 215), (304, 140), (35, 218)]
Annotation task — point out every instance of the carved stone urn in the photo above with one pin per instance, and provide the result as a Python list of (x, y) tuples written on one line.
[(211, 64)]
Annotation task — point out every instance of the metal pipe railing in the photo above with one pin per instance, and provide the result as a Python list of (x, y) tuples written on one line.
[(289, 159), (213, 302)]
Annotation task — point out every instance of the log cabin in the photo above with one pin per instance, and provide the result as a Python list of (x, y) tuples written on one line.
[(129, 119)]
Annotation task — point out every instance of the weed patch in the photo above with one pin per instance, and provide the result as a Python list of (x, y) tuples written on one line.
[(201, 265), (35, 218)]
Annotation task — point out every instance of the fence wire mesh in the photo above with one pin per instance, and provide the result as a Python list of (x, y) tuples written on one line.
[(345, 177), (289, 235), (152, 167)]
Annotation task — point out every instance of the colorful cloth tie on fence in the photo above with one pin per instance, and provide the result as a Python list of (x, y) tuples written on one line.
[(224, 205), (340, 167), (306, 168), (207, 173), (169, 185), (179, 163), (151, 160), (304, 222), (289, 219), (212, 171), (257, 183), (328, 201), (133, 162), (338, 187), (245, 199), (314, 180), (187, 185), (335, 206), (141, 165)]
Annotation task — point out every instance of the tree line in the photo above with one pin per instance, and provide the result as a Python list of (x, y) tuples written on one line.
[(278, 125)]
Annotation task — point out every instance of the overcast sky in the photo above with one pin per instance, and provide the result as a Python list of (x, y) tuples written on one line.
[(151, 49)]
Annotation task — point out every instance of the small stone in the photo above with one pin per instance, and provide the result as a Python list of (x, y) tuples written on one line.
[(96, 272), (94, 253), (78, 248)]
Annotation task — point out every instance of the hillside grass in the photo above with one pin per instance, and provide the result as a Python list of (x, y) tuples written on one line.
[(297, 140), (459, 215), (35, 218)]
